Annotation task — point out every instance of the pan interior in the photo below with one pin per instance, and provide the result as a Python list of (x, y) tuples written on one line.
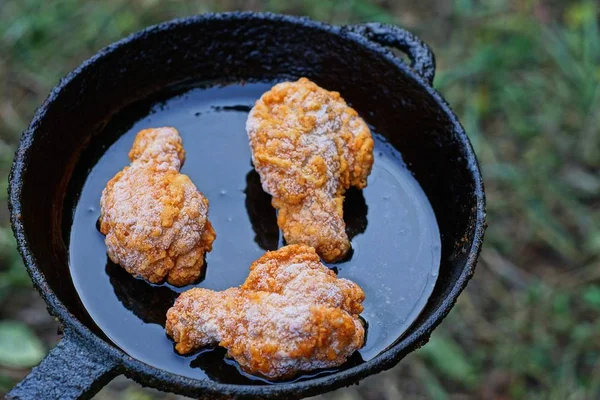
[(395, 237)]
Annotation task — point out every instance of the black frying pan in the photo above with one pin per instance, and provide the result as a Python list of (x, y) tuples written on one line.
[(233, 47)]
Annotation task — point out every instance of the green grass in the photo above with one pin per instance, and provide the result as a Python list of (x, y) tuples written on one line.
[(524, 78)]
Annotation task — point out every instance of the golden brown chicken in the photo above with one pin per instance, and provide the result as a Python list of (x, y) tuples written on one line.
[(292, 314), (309, 147), (155, 221)]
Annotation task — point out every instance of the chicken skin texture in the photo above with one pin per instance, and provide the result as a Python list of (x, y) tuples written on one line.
[(309, 147), (292, 314), (155, 221)]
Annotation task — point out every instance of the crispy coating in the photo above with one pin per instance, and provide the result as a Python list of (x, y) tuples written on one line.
[(309, 147), (155, 221), (292, 314)]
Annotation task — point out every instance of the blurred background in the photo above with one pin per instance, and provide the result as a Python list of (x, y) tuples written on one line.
[(524, 78)]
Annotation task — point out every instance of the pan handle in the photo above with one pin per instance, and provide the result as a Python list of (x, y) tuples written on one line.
[(74, 369), (422, 60)]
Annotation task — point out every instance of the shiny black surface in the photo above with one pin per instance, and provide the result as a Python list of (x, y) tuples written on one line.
[(395, 240)]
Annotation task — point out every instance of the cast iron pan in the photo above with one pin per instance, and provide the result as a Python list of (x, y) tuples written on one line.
[(61, 146)]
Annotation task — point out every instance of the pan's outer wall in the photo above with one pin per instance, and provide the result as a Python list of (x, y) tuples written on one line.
[(233, 47)]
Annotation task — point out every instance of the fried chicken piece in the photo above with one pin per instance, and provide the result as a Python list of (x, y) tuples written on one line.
[(155, 221), (292, 314), (309, 147)]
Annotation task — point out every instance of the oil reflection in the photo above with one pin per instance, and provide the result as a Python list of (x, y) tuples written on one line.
[(148, 302), (217, 366), (263, 216)]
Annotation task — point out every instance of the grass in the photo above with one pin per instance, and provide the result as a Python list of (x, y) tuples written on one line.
[(524, 78)]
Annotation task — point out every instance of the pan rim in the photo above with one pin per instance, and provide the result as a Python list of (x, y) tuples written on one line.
[(169, 381)]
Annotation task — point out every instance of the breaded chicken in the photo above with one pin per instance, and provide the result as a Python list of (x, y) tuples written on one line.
[(292, 314), (155, 221), (309, 147)]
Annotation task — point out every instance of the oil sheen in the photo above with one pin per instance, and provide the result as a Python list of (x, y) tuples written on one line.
[(395, 239)]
